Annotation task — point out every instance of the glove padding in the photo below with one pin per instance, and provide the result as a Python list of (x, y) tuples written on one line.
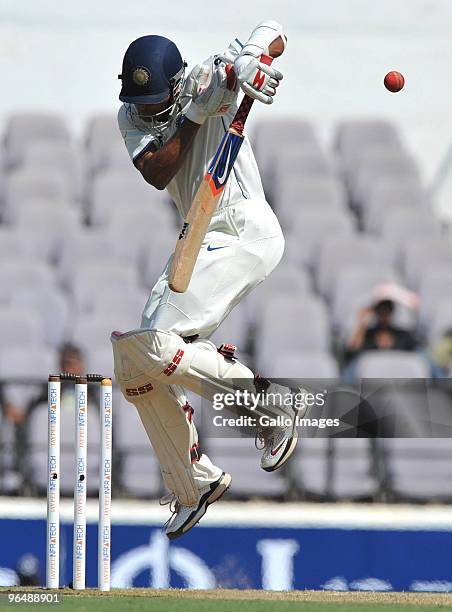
[(212, 92), (259, 81)]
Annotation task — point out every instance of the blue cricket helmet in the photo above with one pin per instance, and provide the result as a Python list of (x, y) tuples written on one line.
[(151, 67)]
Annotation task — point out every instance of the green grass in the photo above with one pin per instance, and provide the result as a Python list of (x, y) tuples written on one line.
[(234, 601)]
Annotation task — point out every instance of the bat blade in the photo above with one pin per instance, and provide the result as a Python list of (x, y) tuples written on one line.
[(206, 199), (201, 210)]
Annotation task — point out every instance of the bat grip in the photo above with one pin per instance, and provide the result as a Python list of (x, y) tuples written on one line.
[(238, 123)]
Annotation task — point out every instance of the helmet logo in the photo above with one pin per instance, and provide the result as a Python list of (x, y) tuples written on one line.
[(141, 76)]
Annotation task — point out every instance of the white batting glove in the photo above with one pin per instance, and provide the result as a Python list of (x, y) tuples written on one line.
[(257, 80), (212, 91)]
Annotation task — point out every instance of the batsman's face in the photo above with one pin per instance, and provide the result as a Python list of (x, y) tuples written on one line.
[(149, 112)]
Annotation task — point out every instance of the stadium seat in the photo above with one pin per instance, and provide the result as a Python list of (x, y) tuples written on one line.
[(91, 278), (392, 364), (312, 228), (299, 192), (233, 330), (26, 184), (422, 256), (392, 195), (57, 157), (299, 363), (434, 287), (238, 457), (101, 136), (27, 127), (338, 253), (20, 327), (51, 305), (379, 166), (113, 190), (288, 279), (304, 326), (139, 470)]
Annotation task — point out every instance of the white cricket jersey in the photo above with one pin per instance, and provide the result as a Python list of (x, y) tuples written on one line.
[(244, 181)]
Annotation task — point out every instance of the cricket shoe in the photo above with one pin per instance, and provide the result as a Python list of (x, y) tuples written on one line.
[(278, 442), (277, 445), (186, 517)]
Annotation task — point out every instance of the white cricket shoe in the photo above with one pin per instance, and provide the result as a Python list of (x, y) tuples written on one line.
[(186, 517), (278, 443)]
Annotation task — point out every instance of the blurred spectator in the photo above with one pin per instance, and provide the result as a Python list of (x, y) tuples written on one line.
[(441, 356), (375, 330), (382, 335), (71, 361)]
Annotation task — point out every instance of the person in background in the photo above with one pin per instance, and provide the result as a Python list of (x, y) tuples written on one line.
[(381, 335), (375, 330), (441, 356)]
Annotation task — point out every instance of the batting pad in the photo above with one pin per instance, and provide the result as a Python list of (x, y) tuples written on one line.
[(168, 421), (197, 366)]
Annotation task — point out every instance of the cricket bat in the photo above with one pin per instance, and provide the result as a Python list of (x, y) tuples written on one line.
[(209, 192)]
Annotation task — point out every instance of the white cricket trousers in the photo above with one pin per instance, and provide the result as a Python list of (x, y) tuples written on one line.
[(242, 247)]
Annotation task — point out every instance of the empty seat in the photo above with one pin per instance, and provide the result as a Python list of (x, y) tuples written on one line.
[(95, 330), (336, 254), (92, 278), (271, 136), (353, 472), (288, 279), (289, 325), (18, 212), (233, 330), (309, 468), (53, 308), (299, 363), (391, 195), (83, 247), (300, 191), (59, 157), (419, 469), (101, 135), (155, 256), (238, 457), (56, 222), (20, 327), (423, 255), (303, 162), (404, 225), (354, 135), (392, 364), (11, 245), (24, 273), (22, 128), (435, 286), (27, 183), (113, 190), (380, 166), (30, 243), (311, 228), (140, 471)]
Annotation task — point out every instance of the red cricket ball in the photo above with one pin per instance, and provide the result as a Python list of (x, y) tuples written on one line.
[(394, 81)]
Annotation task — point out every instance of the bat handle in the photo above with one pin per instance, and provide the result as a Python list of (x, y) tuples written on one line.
[(238, 123)]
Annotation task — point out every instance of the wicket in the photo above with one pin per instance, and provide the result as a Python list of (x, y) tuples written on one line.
[(53, 482)]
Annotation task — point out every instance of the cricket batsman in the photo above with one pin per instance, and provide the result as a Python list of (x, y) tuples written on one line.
[(172, 126)]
